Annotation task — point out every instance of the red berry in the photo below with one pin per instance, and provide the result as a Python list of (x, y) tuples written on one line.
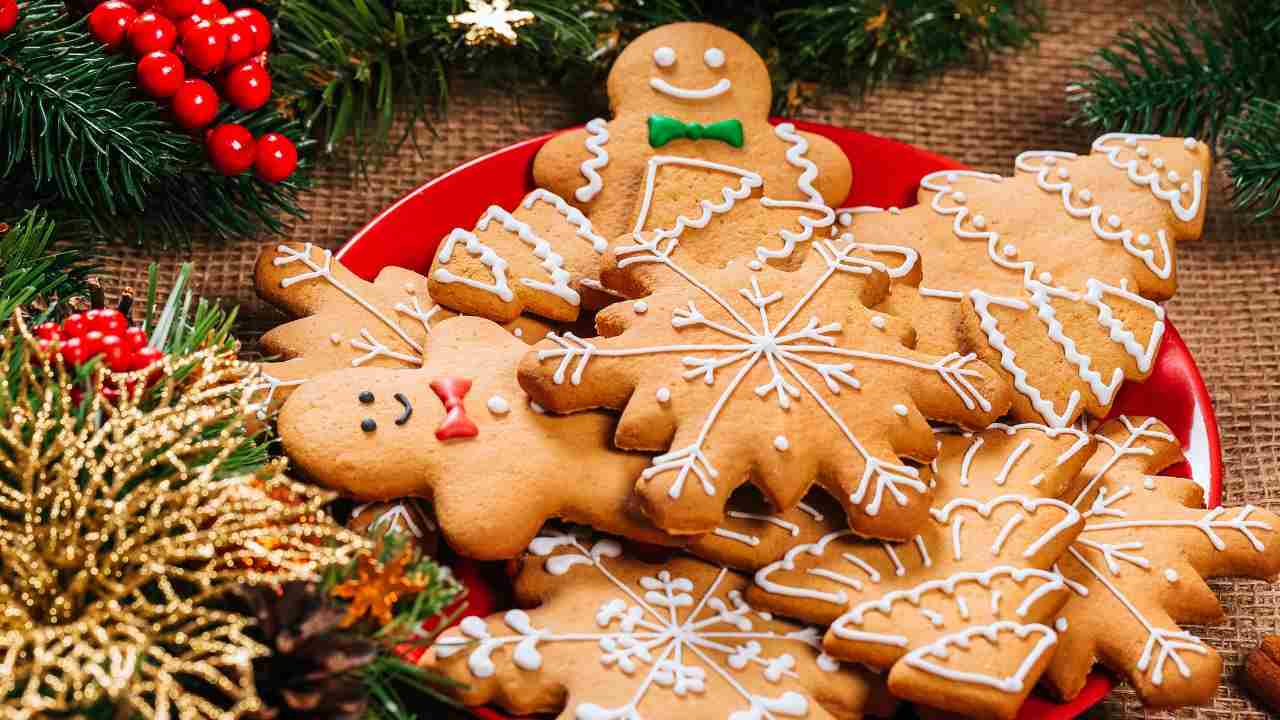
[(146, 357), (259, 27), (110, 21), (117, 353), (135, 338), (109, 321), (195, 104), (230, 148), (276, 158), (211, 9), (247, 86), (74, 325), (8, 15), (152, 32), (73, 352), (240, 44), (205, 46), (160, 74), (49, 331), (92, 342), (176, 9)]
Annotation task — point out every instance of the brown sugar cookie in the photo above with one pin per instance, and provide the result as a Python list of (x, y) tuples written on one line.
[(754, 534), (779, 378), (345, 322), (690, 154), (1140, 563), (963, 614), (610, 637), (533, 259), (408, 518), (1053, 275), (459, 432)]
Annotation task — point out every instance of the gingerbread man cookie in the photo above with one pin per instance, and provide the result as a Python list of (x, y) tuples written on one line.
[(613, 637), (778, 378), (690, 154), (459, 431), (345, 322), (1053, 275)]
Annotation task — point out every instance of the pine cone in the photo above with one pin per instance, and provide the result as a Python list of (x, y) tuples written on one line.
[(313, 670)]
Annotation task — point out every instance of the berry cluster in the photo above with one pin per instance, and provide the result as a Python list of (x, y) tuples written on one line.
[(85, 336), (174, 39)]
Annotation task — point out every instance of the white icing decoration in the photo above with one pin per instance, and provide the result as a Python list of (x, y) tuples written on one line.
[(728, 195), (720, 87), (1060, 624), (713, 57), (640, 306), (781, 443), (1185, 213), (901, 409), (498, 405), (536, 408), (664, 56), (518, 332), (597, 136), (790, 527), (878, 322), (1171, 575), (664, 395), (396, 518), (269, 383), (920, 658), (335, 338)]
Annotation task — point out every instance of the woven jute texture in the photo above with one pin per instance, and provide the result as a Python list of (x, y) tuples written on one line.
[(1227, 309)]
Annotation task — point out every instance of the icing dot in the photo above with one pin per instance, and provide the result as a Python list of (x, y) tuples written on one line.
[(755, 265), (664, 56), (713, 57), (1171, 575), (781, 443), (765, 615), (1060, 624), (365, 397), (1157, 163), (1063, 173), (408, 287), (664, 395), (1009, 251), (959, 197), (878, 322), (900, 409), (1046, 278), (895, 210), (1131, 141), (1144, 239), (518, 332), (1189, 143), (640, 307), (979, 221), (1086, 196), (846, 218), (335, 338), (1142, 152), (1149, 483), (1174, 176), (1185, 187), (368, 425), (1114, 221), (537, 408), (497, 405)]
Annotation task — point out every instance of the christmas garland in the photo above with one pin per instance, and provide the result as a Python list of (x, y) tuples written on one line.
[(97, 130)]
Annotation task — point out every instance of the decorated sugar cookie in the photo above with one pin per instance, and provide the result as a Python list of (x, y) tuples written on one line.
[(1054, 274), (345, 321), (779, 378), (690, 154), (534, 258), (964, 614), (408, 518), (459, 431), (611, 637), (1148, 544), (754, 534)]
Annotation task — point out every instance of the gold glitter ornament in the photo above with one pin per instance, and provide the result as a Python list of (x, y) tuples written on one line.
[(490, 23), (122, 525)]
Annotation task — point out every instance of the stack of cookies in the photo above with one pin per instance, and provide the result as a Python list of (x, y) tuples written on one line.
[(860, 437)]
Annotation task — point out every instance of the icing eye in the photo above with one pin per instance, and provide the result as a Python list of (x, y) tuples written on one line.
[(365, 397), (664, 56), (368, 425), (713, 57)]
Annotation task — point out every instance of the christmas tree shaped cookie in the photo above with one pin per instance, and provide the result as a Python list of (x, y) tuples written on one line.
[(690, 154), (964, 614), (778, 378), (459, 431), (345, 322), (1055, 274), (543, 257), (1147, 544), (613, 638)]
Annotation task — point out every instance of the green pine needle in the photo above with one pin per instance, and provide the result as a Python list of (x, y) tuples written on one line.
[(32, 273), (1251, 146)]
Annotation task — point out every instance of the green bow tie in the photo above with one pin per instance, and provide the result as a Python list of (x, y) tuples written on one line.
[(663, 129)]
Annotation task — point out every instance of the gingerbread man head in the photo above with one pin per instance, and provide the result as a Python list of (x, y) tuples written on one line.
[(692, 71)]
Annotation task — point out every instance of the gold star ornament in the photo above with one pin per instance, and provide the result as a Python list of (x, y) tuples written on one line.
[(490, 23)]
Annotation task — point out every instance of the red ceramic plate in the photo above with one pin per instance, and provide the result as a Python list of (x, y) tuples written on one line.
[(886, 172)]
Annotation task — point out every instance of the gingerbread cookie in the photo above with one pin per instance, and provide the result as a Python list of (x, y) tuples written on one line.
[(345, 322), (460, 432), (609, 636), (1139, 566), (1055, 274), (780, 378), (963, 615), (405, 517), (754, 534), (534, 259), (690, 154)]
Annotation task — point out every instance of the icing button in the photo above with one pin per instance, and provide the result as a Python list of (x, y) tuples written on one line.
[(365, 397), (368, 425)]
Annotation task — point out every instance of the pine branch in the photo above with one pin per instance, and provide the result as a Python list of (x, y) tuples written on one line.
[(31, 272), (1251, 146)]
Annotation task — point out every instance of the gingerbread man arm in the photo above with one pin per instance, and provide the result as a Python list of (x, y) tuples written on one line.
[(836, 178), (558, 165)]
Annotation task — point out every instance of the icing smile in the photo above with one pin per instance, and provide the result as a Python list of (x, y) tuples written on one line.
[(721, 87)]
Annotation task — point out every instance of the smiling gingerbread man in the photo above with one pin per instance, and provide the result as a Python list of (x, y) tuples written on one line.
[(691, 155)]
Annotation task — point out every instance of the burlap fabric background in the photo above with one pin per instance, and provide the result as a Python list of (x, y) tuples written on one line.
[(1227, 308)]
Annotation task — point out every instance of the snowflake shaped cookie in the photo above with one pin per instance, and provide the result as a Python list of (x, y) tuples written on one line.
[(614, 638), (1053, 275), (963, 614), (345, 322), (1147, 544), (779, 378)]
